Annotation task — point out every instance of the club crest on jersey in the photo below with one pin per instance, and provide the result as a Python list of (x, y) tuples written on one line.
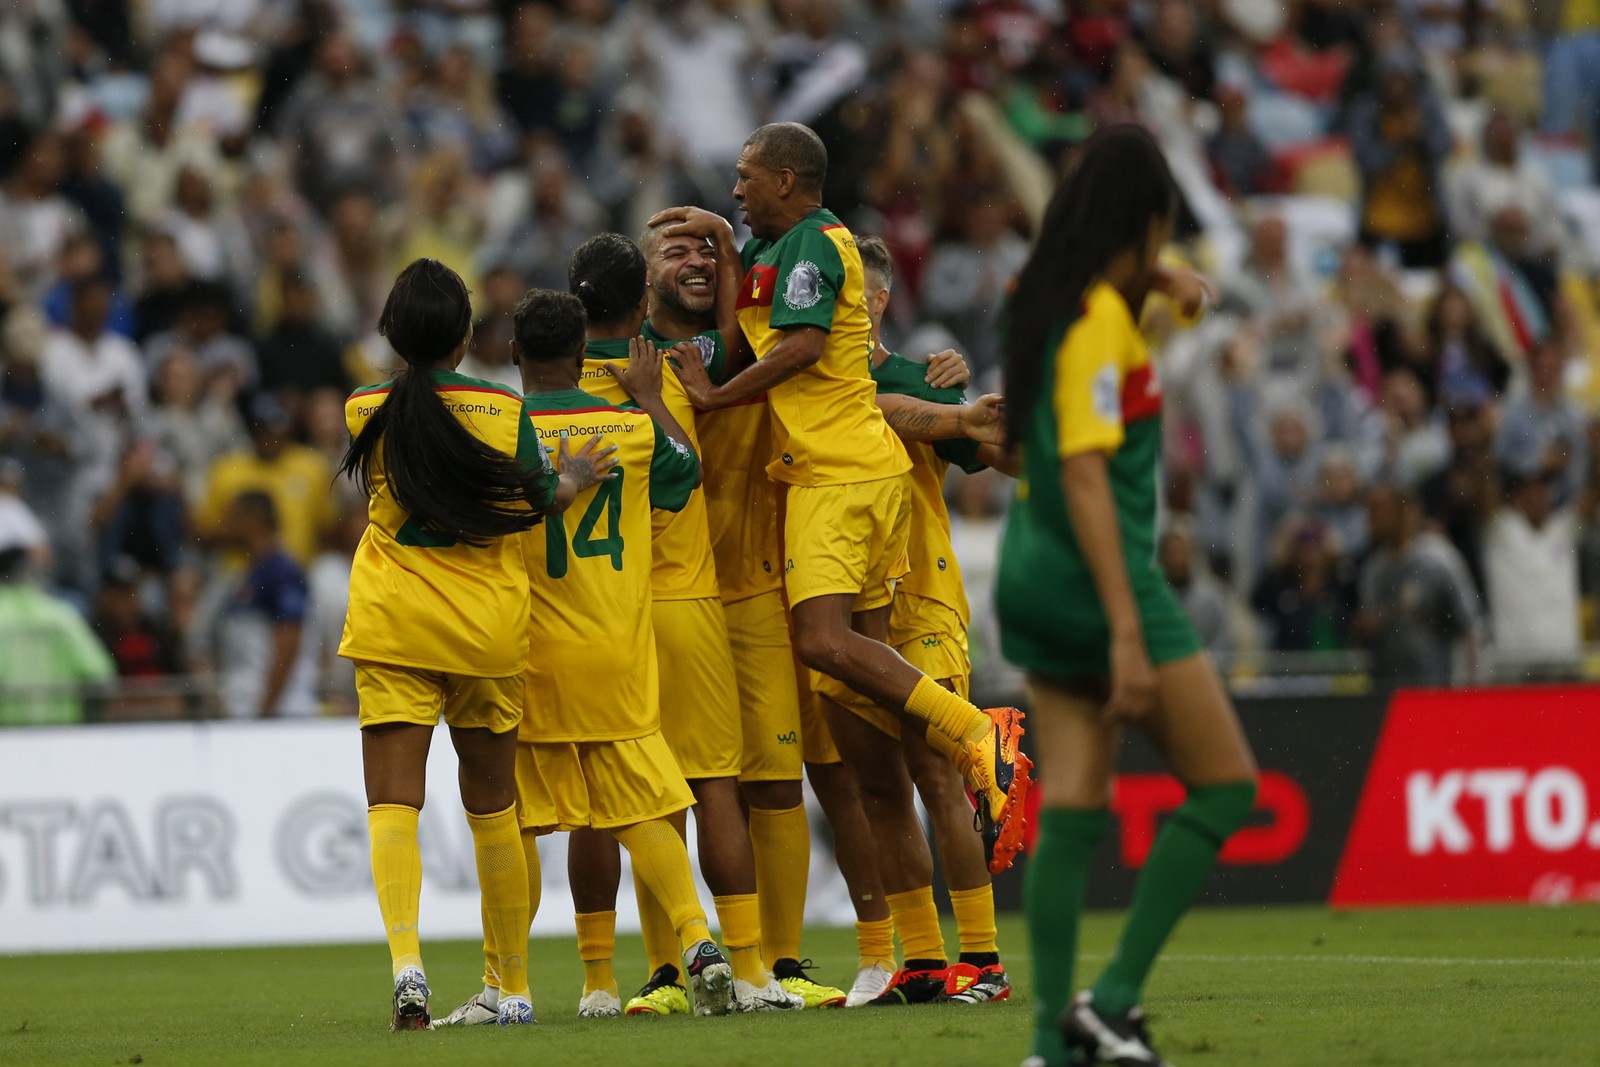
[(707, 347), (804, 287)]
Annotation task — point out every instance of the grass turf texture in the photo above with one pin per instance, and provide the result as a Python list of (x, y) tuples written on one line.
[(1296, 986)]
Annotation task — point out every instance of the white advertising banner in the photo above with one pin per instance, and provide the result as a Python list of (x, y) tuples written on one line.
[(243, 833)]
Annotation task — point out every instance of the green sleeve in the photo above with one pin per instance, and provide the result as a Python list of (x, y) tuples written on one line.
[(674, 470), (904, 377), (531, 456), (810, 278)]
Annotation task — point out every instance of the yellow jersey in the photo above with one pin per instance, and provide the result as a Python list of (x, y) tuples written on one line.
[(826, 427), (420, 600), (934, 574), (591, 670), (298, 480), (741, 501), (684, 569)]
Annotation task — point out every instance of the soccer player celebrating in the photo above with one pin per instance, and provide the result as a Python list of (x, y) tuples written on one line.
[(802, 308), (438, 617), (700, 699), (591, 756), (1084, 607), (928, 626)]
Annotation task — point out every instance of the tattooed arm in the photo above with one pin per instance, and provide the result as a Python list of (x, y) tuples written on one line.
[(923, 420)]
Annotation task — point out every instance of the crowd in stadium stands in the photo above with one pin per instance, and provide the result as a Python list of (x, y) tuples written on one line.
[(1378, 439)]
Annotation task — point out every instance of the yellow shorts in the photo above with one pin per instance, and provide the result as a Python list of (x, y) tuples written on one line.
[(699, 691), (769, 706), (401, 694), (847, 539), (816, 740), (598, 784)]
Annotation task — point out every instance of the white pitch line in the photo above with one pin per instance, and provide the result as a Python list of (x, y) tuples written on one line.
[(1426, 961)]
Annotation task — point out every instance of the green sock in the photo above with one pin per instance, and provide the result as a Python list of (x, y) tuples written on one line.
[(1180, 861), (1056, 881)]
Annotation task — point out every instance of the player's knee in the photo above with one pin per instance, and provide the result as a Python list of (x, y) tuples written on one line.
[(1220, 809)]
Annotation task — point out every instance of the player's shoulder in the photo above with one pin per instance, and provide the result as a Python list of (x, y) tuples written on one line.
[(1104, 306), (572, 402), (450, 381), (909, 377)]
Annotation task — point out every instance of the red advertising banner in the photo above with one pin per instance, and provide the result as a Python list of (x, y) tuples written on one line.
[(1479, 795)]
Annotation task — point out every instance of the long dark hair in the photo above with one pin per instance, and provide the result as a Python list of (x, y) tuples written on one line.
[(1120, 185), (453, 483), (607, 273)]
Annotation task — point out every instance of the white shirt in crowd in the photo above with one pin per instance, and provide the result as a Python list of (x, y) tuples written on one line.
[(1533, 585), (76, 371)]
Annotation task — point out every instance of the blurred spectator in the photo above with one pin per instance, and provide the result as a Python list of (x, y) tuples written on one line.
[(361, 260), (455, 108), (299, 355), (813, 66), (329, 585), (164, 285), (1531, 558), (86, 360), (1277, 443), (442, 218), (203, 327), (490, 356), (1205, 600), (1278, 302), (266, 669), (1504, 177), (341, 128), (295, 477), (20, 528), (1541, 430), (1462, 363), (556, 217), (138, 509), (1413, 610), (48, 654), (965, 282), (1177, 50), (81, 260), (1339, 504), (35, 219), (40, 432), (1307, 593), (211, 239), (195, 420), (1459, 500), (1239, 159), (143, 155), (99, 199), (1400, 140), (527, 86), (1415, 442), (143, 643)]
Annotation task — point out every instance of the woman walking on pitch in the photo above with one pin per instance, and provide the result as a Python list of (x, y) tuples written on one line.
[(1085, 609), (452, 467)]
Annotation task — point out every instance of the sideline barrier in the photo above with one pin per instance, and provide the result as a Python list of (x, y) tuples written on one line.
[(1433, 797), (170, 835)]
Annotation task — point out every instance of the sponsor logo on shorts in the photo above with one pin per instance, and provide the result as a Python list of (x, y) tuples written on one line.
[(766, 565), (788, 460), (790, 738), (931, 642), (788, 566)]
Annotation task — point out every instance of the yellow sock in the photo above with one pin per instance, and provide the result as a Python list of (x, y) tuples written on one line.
[(597, 944), (491, 954), (946, 713), (661, 869), (916, 920), (660, 939), (782, 844), (974, 910), (397, 874), (740, 919), (875, 942), (503, 882)]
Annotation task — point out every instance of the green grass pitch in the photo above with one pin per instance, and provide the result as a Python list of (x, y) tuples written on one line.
[(1300, 986)]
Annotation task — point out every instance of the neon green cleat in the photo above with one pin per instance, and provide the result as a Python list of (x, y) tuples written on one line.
[(791, 974), (662, 995)]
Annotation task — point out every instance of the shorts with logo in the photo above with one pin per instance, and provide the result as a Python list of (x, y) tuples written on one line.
[(601, 785), (388, 694), (847, 539), (816, 740), (763, 657), (699, 690)]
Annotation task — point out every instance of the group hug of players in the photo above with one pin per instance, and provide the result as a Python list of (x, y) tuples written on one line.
[(729, 554), (738, 572)]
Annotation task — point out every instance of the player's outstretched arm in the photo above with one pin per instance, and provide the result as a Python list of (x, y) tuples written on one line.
[(800, 348), (924, 420), (1190, 291)]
